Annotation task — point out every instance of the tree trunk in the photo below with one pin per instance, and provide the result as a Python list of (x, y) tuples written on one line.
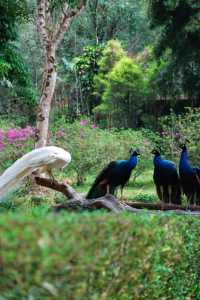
[(49, 82), (51, 34)]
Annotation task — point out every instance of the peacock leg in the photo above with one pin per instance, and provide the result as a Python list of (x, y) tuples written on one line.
[(190, 200), (170, 194), (107, 190), (121, 189), (195, 199), (162, 196), (116, 192)]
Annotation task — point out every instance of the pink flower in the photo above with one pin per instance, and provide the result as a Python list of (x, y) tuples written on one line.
[(93, 126), (12, 135), (2, 135), (83, 122), (165, 133), (60, 134), (82, 135), (2, 146), (18, 145), (19, 134)]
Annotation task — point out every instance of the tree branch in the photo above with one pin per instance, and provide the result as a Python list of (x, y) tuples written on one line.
[(63, 188), (65, 21), (41, 22), (109, 202)]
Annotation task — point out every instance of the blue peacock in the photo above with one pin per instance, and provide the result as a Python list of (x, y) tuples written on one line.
[(166, 180), (115, 174), (190, 177)]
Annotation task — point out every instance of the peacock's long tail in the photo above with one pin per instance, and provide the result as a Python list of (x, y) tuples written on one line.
[(97, 191)]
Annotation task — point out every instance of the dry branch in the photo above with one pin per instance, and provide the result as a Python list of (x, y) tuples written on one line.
[(159, 206), (109, 202)]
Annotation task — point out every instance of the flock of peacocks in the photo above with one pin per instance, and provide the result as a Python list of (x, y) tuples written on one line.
[(170, 183)]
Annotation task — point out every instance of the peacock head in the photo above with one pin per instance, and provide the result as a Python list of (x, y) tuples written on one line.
[(156, 152), (134, 152), (184, 145)]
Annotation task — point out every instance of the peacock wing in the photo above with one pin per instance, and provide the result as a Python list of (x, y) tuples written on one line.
[(98, 188)]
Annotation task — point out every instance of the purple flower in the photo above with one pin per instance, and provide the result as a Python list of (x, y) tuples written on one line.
[(83, 122), (19, 134), (165, 133), (82, 135), (2, 135), (18, 145), (2, 146), (93, 126), (60, 134), (12, 135)]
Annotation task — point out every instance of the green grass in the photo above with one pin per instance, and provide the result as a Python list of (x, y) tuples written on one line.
[(98, 256)]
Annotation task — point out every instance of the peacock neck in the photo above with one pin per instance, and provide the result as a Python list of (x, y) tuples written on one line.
[(157, 159), (184, 159), (132, 162)]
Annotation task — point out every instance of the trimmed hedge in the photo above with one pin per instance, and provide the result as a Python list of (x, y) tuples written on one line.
[(98, 256)]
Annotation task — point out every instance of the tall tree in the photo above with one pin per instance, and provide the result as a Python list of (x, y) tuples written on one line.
[(51, 34), (178, 45), (17, 91)]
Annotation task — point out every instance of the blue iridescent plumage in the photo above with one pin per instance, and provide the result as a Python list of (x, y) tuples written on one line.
[(166, 180), (115, 174), (190, 177)]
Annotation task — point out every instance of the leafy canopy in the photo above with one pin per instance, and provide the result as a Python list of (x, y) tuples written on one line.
[(178, 43)]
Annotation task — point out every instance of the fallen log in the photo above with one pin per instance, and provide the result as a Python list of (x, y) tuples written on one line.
[(77, 201), (159, 206)]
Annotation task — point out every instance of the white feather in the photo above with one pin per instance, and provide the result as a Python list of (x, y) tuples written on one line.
[(48, 157)]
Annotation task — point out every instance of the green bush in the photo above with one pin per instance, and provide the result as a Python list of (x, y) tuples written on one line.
[(92, 148), (99, 256), (177, 129), (124, 93), (14, 143)]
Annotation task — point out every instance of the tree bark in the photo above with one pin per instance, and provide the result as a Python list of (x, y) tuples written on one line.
[(48, 87), (51, 36)]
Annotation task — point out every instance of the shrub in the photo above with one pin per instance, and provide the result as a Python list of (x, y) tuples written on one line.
[(92, 148), (124, 93), (14, 142), (99, 256), (176, 129)]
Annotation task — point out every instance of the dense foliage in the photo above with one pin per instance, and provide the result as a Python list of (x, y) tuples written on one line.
[(86, 67), (178, 45), (170, 71), (91, 147), (98, 256), (14, 75), (177, 130)]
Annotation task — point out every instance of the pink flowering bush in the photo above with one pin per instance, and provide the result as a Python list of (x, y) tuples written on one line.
[(14, 142), (91, 147)]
